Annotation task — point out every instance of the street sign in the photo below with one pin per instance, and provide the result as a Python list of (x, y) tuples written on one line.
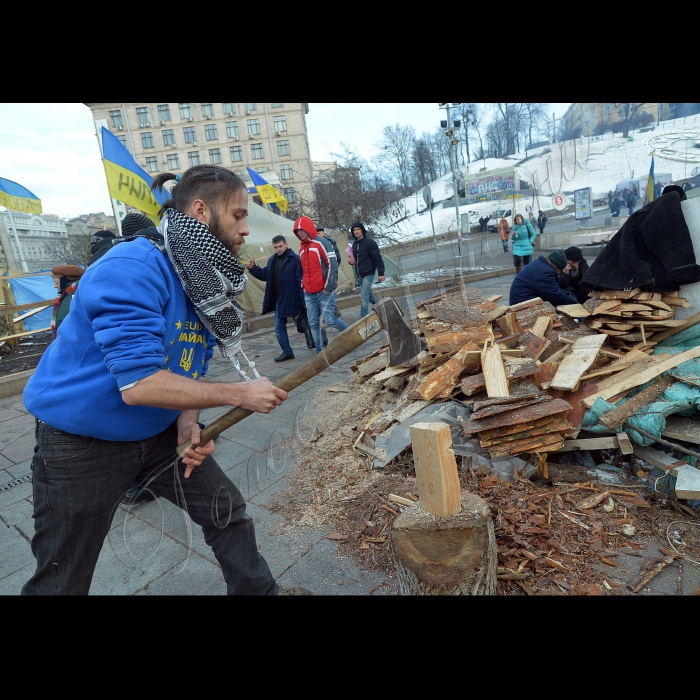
[(559, 201), (427, 196), (528, 208)]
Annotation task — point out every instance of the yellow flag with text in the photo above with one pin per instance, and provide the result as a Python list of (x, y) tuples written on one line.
[(14, 196), (267, 192)]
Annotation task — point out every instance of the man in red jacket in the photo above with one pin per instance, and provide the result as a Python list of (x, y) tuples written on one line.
[(320, 278)]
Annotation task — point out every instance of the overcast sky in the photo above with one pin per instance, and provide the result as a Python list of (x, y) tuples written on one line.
[(51, 149)]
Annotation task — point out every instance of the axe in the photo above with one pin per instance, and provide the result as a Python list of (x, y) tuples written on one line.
[(404, 345)]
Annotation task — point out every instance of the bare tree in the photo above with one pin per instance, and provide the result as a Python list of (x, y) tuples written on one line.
[(627, 112), (396, 148), (74, 250), (535, 115)]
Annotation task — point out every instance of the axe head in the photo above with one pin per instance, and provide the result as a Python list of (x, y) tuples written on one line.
[(404, 344)]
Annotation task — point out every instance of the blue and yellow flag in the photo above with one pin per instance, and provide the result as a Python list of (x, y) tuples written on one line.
[(126, 181), (650, 181), (267, 192), (14, 196)]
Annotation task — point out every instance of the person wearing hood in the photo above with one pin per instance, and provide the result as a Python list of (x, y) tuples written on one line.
[(65, 280), (368, 261), (541, 279), (100, 243), (571, 276), (319, 280)]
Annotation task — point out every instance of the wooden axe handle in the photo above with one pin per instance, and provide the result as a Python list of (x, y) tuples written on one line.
[(348, 340)]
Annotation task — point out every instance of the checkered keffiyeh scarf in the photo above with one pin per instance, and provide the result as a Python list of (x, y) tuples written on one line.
[(210, 275)]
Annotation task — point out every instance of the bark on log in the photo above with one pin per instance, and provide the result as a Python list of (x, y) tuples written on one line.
[(456, 555)]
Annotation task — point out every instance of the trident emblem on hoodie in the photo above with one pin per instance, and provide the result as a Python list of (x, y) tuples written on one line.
[(186, 359)]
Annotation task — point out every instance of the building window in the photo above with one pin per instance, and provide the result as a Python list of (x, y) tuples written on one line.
[(142, 116), (280, 124), (185, 110), (210, 132), (215, 156), (290, 194), (152, 164), (257, 151), (116, 116), (164, 113), (193, 157), (286, 172), (253, 127), (173, 161), (190, 134), (250, 106), (122, 138), (276, 104), (207, 109), (229, 108), (283, 148), (232, 130), (147, 139), (236, 153), (168, 137)]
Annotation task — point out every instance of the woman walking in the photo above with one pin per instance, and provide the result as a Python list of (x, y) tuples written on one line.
[(523, 238), (504, 233)]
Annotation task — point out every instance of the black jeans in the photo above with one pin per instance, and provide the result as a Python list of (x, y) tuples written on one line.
[(78, 483)]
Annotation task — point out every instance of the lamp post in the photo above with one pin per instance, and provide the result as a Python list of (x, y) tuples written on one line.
[(449, 128)]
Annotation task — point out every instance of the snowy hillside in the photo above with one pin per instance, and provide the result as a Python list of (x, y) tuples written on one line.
[(600, 162)]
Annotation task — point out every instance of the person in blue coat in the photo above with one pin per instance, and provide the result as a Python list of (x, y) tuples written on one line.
[(523, 237), (541, 279), (283, 291)]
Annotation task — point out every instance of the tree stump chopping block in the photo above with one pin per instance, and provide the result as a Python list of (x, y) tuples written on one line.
[(454, 555)]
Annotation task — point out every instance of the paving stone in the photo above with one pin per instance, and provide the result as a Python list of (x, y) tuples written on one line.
[(19, 515), (21, 469), (17, 493), (15, 551), (12, 584), (21, 448), (194, 576), (229, 452)]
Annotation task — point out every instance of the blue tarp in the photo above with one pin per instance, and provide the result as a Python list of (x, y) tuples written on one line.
[(28, 289)]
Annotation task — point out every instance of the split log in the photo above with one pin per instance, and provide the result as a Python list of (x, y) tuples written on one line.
[(494, 372), (533, 345), (574, 310), (537, 443), (615, 293), (447, 375), (618, 415), (509, 324), (514, 368), (523, 415), (456, 555), (452, 341), (542, 325), (526, 304), (574, 365)]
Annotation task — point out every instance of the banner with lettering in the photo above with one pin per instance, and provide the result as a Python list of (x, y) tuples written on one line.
[(14, 196), (126, 181)]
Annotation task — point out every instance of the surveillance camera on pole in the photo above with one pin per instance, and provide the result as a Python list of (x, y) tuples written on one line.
[(449, 132)]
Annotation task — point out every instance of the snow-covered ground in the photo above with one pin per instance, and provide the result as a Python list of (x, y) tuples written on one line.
[(600, 163)]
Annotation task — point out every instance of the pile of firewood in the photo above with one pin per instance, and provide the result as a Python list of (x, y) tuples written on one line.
[(527, 372)]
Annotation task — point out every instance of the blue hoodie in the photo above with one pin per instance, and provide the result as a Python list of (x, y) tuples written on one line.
[(130, 317)]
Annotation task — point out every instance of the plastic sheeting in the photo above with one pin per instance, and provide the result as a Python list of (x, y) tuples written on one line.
[(400, 437), (28, 289)]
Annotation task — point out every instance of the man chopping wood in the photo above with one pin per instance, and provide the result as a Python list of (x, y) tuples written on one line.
[(121, 388), (541, 279)]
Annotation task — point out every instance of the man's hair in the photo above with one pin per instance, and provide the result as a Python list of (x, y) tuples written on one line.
[(279, 239), (210, 183)]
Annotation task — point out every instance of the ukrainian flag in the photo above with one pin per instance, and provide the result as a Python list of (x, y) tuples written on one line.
[(126, 181), (267, 192), (650, 181), (14, 196)]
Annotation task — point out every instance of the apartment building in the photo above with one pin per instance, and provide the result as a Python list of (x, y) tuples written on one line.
[(269, 137), (589, 118)]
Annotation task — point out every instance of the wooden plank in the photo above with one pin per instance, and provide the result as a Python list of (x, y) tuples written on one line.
[(557, 425), (390, 372), (496, 313), (680, 428), (645, 376), (525, 304), (676, 301), (574, 310), (538, 443), (495, 297), (376, 364), (625, 444), (515, 405), (524, 415), (437, 479), (695, 318), (574, 365), (514, 367), (601, 443), (447, 375), (656, 458), (494, 372), (523, 388), (618, 415), (578, 410), (639, 362), (452, 341), (687, 481), (5, 338), (509, 324), (545, 424), (542, 325), (13, 308), (606, 307), (533, 345)]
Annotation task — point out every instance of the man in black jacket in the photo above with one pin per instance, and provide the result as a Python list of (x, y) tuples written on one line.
[(368, 260), (631, 201), (570, 277), (283, 292), (541, 279)]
